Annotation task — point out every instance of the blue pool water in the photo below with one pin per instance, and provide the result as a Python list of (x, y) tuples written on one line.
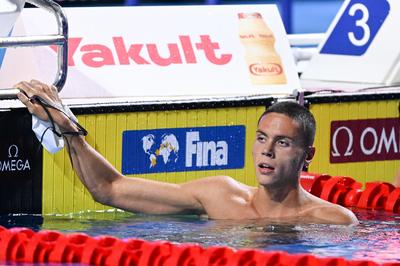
[(376, 238)]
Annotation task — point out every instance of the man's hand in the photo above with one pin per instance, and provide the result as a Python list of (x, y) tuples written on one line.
[(37, 88), (49, 94)]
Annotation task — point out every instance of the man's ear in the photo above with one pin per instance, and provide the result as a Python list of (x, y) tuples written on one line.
[(310, 154)]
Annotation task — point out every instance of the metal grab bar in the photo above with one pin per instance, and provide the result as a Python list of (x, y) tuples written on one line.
[(61, 40)]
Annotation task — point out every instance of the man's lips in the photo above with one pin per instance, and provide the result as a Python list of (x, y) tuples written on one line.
[(265, 168)]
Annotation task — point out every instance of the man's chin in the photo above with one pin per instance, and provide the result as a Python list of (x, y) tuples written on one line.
[(265, 180)]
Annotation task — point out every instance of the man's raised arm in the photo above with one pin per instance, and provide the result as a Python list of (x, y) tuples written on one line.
[(104, 182)]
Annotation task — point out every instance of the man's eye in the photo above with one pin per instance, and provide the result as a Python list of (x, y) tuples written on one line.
[(283, 143), (261, 138)]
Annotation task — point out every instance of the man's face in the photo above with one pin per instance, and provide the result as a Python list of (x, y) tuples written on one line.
[(278, 152)]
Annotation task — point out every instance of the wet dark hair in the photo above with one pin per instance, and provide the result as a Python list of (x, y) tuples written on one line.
[(298, 113)]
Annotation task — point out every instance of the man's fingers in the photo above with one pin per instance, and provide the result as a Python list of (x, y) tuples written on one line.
[(26, 88), (33, 88), (22, 97), (25, 101), (54, 89), (27, 91), (39, 85), (30, 103), (44, 90), (36, 88), (34, 81)]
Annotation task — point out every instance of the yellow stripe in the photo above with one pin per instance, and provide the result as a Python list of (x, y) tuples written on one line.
[(64, 193), (361, 171)]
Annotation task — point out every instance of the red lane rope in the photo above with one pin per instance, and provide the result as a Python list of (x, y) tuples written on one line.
[(24, 245), (347, 192), (21, 245)]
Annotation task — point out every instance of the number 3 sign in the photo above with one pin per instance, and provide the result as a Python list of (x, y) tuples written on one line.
[(357, 27), (360, 45)]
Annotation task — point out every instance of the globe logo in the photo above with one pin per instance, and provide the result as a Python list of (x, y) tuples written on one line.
[(165, 151)]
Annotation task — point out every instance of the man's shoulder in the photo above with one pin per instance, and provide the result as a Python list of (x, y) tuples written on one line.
[(221, 185), (220, 180), (333, 213)]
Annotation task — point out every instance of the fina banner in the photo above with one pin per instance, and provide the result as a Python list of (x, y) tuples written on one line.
[(183, 149), (228, 50)]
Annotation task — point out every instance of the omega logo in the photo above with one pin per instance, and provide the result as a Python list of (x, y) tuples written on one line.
[(14, 163), (381, 141), (349, 149), (12, 148)]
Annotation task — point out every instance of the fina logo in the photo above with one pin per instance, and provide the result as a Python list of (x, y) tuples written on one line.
[(183, 149), (201, 149)]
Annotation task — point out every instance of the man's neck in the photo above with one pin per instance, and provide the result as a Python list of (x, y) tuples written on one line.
[(278, 201)]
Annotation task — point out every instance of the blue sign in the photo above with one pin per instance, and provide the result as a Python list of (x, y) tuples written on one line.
[(2, 53), (357, 27), (183, 149)]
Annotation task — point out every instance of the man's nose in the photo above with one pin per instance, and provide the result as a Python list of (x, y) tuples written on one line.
[(268, 150)]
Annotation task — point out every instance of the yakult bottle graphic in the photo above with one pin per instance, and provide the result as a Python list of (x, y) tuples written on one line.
[(264, 64)]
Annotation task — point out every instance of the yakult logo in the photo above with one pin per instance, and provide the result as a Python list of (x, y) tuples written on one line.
[(365, 140), (183, 149), (265, 69), (184, 51)]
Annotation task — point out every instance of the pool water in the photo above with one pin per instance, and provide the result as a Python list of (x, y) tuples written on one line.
[(376, 238)]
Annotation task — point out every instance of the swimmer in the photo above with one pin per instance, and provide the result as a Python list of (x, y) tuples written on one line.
[(283, 145)]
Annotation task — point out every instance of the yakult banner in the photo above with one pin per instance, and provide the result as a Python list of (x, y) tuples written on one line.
[(160, 51), (365, 140)]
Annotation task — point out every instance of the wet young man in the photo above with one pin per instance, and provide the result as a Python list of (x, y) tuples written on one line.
[(282, 146)]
